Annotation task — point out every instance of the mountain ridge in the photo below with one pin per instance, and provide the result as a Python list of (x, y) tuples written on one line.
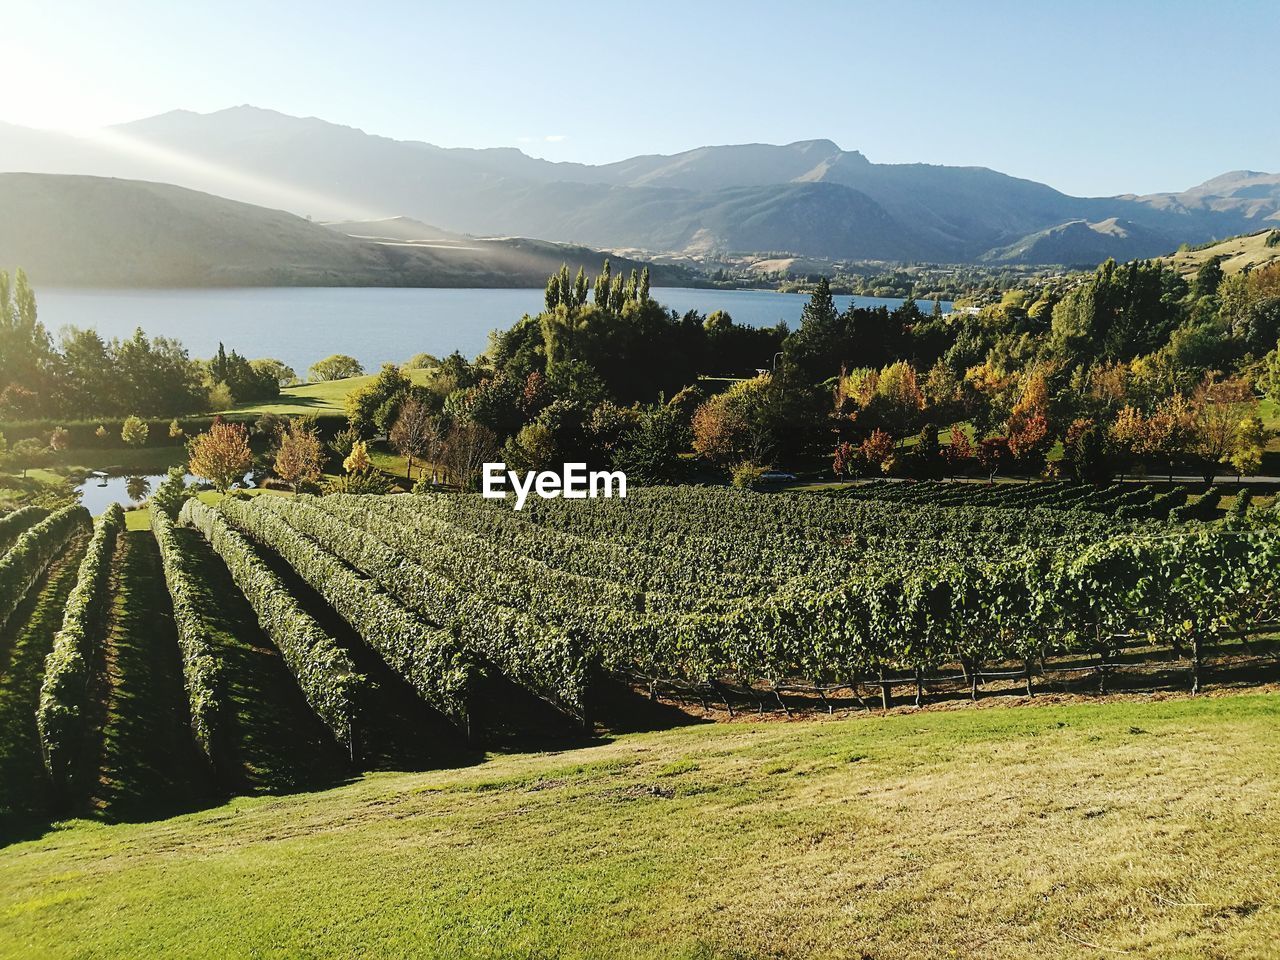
[(809, 197)]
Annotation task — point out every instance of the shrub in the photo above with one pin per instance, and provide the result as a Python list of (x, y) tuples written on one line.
[(32, 553), (60, 716), (12, 524), (746, 474), (134, 431), (325, 672), (201, 671), (430, 659)]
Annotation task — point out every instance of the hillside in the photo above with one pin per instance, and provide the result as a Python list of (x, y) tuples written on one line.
[(1238, 253), (1080, 243), (94, 231), (1048, 831), (808, 198)]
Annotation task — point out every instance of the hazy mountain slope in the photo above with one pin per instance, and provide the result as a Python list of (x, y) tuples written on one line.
[(745, 198), (1080, 243), (403, 229), (1244, 193), (94, 231), (90, 230)]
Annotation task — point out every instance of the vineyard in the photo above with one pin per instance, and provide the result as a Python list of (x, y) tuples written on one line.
[(265, 643)]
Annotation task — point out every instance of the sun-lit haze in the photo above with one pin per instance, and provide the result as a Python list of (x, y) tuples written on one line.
[(1024, 88)]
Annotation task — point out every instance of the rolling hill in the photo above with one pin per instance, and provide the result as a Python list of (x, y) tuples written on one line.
[(1080, 243), (1235, 254), (808, 198), (94, 231)]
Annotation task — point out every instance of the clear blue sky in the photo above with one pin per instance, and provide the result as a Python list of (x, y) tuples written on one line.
[(1091, 97)]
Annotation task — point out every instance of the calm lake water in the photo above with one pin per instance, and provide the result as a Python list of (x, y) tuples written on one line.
[(98, 493), (301, 325)]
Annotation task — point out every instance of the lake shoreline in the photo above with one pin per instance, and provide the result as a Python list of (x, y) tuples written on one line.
[(300, 325)]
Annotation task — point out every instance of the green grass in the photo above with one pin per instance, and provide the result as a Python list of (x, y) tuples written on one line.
[(272, 741), (319, 399), (148, 757), (1150, 828), (1249, 250), (1269, 411)]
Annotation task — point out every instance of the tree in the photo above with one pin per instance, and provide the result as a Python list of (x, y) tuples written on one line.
[(844, 459), (60, 439), (28, 453), (957, 451), (650, 451), (994, 455), (277, 370), (1208, 278), (221, 454), (134, 432), (1085, 449), (734, 425), (816, 348), (300, 456), (1029, 441), (245, 381), (745, 475), (1271, 374), (1220, 406), (416, 433), (375, 405), (877, 451), (533, 448), (357, 460), (467, 447), (339, 366), (175, 429), (172, 492), (601, 292), (1250, 443)]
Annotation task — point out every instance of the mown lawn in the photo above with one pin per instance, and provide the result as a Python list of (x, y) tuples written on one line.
[(318, 399), (1148, 828)]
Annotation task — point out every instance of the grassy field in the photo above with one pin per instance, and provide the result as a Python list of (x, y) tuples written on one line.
[(317, 399), (1149, 828), (1237, 253)]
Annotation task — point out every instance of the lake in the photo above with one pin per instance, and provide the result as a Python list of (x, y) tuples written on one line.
[(301, 325)]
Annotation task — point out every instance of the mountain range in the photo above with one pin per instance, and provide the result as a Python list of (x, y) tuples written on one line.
[(809, 198)]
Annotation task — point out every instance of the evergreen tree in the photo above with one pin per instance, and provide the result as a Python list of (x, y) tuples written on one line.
[(552, 296), (602, 287)]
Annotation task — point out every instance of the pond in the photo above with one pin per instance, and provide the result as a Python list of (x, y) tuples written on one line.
[(98, 493)]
